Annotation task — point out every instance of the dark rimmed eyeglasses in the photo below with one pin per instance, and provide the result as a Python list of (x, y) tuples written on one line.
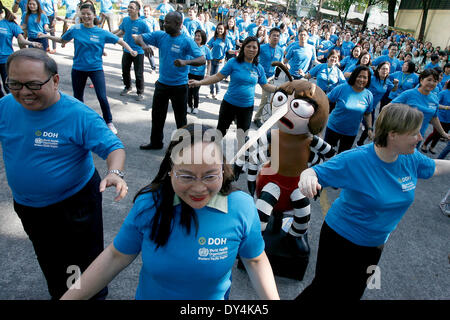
[(32, 85)]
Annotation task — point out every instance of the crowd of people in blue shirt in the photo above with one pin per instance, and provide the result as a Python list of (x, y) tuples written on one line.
[(357, 70)]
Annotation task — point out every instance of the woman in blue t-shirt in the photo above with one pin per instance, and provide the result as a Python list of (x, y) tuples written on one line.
[(328, 75), (352, 102), (87, 61), (34, 21), (190, 224), (379, 86), (245, 72), (352, 59), (378, 182), (9, 30), (232, 34), (198, 73), (219, 46), (363, 60)]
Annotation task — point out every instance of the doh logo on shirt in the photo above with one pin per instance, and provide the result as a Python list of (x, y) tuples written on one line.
[(135, 30), (94, 38), (406, 183), (201, 241), (46, 134), (3, 30), (175, 48), (38, 133), (46, 139)]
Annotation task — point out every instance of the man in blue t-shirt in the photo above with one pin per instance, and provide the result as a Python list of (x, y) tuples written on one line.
[(173, 74), (268, 53), (300, 55), (164, 8), (47, 138)]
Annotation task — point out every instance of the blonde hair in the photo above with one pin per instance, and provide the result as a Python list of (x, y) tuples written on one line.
[(399, 118)]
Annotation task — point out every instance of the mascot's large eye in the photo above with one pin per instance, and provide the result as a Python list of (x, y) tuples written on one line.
[(302, 108), (279, 98)]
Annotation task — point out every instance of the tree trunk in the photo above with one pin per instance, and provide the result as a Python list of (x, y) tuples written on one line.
[(426, 6), (319, 14), (366, 15), (391, 11)]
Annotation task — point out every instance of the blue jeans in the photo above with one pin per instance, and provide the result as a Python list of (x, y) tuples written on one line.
[(216, 65), (79, 79)]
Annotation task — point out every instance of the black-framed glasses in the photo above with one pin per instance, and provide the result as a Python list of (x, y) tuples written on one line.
[(190, 179), (32, 85)]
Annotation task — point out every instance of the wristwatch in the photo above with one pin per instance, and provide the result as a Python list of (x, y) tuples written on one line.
[(117, 171)]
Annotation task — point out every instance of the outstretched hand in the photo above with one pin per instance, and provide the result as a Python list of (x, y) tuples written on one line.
[(113, 179)]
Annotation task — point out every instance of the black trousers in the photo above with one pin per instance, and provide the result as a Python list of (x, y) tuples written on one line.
[(64, 234), (193, 92), (138, 63), (333, 137), (341, 268), (229, 112), (163, 93)]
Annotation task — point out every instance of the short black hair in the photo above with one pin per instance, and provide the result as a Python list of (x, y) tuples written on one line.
[(274, 29), (351, 81), (429, 72), (50, 65), (411, 67)]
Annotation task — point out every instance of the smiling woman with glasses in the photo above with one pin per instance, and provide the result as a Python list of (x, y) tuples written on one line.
[(190, 224)]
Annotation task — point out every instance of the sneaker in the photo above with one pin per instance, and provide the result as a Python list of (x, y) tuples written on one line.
[(112, 127), (125, 91), (151, 146), (139, 97), (194, 110), (213, 96)]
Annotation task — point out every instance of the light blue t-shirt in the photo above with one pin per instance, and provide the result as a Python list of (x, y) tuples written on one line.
[(395, 63), (428, 104), (327, 78), (71, 8), (349, 110), (151, 23), (48, 7), (347, 63), (219, 47), (267, 55), (200, 70), (89, 44), (405, 82), (347, 47), (164, 8), (300, 58), (375, 195), (233, 37), (192, 26), (179, 47), (8, 30), (47, 154), (193, 266), (444, 99), (378, 88), (431, 65), (243, 79), (105, 6), (130, 27), (251, 29), (242, 26), (34, 27)]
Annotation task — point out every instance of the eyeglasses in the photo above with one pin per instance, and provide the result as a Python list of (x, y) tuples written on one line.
[(189, 179), (15, 85)]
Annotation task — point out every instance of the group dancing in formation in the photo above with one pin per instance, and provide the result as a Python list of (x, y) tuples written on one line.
[(337, 81)]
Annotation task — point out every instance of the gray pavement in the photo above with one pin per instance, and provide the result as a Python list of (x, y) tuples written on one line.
[(414, 264)]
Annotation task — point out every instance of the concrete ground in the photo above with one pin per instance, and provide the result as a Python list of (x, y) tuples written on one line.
[(414, 264)]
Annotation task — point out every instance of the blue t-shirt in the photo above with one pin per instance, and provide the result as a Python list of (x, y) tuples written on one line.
[(105, 6), (196, 265), (347, 47), (164, 8), (300, 58), (242, 26), (347, 63), (334, 38), (34, 27), (427, 104), (151, 23), (431, 65), (219, 47), (243, 79), (284, 39), (349, 110), (267, 55), (378, 88), (89, 44), (130, 27), (179, 47), (405, 82), (71, 8), (233, 37), (395, 63), (192, 26), (47, 154), (48, 7), (444, 99), (444, 80), (375, 194), (8, 30), (352, 67), (200, 70), (314, 40), (327, 78), (251, 29)]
